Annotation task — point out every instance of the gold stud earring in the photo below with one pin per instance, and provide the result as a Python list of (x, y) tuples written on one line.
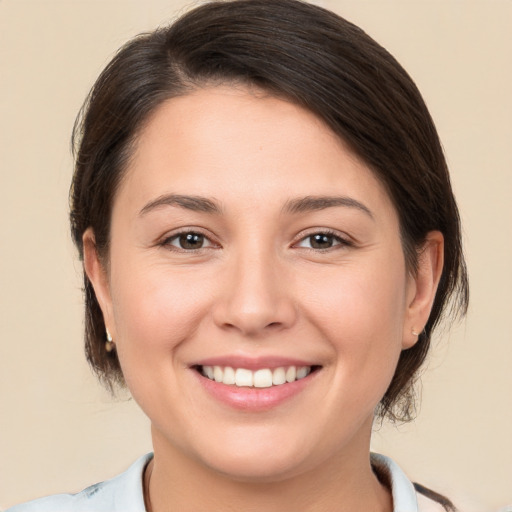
[(109, 344)]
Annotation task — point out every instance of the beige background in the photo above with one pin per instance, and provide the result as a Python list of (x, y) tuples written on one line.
[(59, 430)]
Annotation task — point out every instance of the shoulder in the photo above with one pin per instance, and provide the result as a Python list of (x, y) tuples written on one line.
[(122, 493), (407, 497)]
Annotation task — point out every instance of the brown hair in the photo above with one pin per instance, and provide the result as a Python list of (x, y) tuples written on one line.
[(311, 57)]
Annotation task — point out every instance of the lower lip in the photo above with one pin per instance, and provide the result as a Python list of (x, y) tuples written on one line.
[(254, 399)]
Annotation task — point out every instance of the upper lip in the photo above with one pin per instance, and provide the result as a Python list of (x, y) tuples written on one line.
[(253, 363)]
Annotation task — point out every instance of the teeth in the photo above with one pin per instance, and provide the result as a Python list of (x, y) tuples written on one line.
[(263, 378), (229, 375), (302, 372), (208, 370), (278, 376), (218, 374), (243, 377), (291, 374)]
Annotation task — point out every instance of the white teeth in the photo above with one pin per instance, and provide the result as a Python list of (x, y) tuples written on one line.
[(243, 377), (291, 374), (263, 378), (302, 372), (229, 376), (278, 376), (208, 370), (218, 374)]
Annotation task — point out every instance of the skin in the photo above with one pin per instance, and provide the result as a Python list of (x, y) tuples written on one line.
[(257, 288)]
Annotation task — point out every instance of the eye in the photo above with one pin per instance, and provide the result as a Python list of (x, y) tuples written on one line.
[(323, 240), (188, 241)]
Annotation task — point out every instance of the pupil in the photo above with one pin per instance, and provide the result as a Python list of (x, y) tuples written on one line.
[(321, 241), (191, 241)]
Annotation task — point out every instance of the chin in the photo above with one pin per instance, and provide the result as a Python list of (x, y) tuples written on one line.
[(264, 459), (261, 469)]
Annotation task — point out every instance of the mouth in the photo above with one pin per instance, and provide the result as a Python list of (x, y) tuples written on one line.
[(260, 378)]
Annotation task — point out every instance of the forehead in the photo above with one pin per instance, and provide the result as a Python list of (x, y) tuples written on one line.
[(240, 144)]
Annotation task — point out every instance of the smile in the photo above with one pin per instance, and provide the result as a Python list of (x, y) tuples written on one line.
[(261, 378)]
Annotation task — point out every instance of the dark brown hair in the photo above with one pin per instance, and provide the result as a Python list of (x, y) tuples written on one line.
[(311, 57)]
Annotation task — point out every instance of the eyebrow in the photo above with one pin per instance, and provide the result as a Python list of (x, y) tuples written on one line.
[(194, 203), (299, 205), (312, 203)]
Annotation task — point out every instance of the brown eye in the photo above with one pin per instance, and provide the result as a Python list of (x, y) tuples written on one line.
[(189, 241), (321, 241)]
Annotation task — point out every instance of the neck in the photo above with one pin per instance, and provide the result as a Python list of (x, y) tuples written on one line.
[(175, 481)]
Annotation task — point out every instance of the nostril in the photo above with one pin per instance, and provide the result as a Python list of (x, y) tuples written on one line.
[(253, 313)]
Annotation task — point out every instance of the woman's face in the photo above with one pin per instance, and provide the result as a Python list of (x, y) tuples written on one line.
[(249, 244)]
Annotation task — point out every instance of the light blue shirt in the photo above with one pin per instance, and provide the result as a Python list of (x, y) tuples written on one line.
[(124, 493)]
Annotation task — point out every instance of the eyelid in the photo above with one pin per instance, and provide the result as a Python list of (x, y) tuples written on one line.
[(342, 239), (166, 240)]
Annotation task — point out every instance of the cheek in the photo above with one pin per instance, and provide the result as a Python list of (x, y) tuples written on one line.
[(360, 311), (156, 311), (369, 298), (156, 308)]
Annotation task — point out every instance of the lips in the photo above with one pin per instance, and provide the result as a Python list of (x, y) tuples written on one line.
[(255, 384)]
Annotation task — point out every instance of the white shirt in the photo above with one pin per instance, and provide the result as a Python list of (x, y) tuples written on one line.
[(124, 493)]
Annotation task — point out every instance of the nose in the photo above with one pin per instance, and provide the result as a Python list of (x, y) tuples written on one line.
[(256, 298)]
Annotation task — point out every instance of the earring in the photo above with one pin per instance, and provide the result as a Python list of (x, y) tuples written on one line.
[(414, 333), (109, 344)]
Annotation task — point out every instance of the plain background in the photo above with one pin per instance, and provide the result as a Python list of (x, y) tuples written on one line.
[(59, 430)]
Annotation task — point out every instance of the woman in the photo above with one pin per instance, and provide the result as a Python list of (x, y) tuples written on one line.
[(269, 239)]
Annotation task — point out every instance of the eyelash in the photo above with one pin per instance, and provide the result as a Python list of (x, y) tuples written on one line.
[(335, 236), (339, 241), (167, 242)]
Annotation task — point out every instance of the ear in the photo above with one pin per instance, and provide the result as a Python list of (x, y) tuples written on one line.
[(98, 276), (422, 287)]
